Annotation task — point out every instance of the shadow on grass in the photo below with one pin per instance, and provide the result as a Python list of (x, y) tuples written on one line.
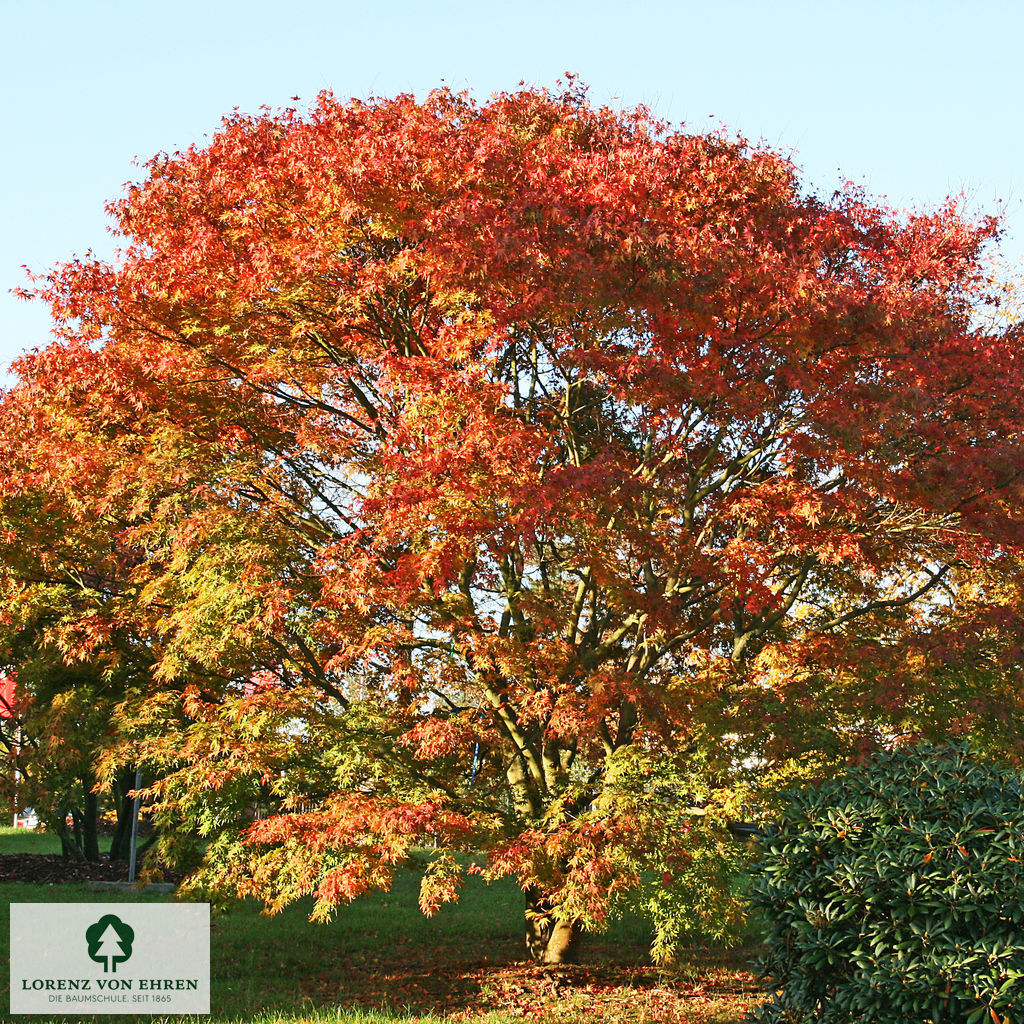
[(381, 960)]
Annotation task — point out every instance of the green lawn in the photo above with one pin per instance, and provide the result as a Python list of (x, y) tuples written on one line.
[(21, 840), (381, 960)]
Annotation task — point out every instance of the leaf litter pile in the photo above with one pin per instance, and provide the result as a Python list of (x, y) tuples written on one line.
[(614, 984)]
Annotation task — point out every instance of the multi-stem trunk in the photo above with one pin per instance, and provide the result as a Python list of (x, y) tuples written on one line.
[(533, 775), (549, 941)]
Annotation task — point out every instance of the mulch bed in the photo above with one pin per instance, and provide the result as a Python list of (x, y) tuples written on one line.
[(48, 869)]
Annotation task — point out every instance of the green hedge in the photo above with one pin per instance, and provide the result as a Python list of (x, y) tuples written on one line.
[(895, 893)]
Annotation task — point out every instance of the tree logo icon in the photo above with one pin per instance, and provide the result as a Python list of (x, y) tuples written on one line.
[(110, 942)]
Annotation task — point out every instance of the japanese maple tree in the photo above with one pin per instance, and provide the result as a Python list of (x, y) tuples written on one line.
[(515, 477)]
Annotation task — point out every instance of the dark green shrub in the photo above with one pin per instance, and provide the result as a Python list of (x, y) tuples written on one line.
[(895, 893)]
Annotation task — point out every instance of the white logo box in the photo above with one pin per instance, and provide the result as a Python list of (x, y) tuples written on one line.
[(85, 958)]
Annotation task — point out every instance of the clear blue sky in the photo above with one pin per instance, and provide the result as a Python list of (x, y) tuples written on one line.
[(914, 99)]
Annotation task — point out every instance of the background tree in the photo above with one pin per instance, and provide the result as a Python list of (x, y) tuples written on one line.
[(554, 468), (64, 634), (63, 728)]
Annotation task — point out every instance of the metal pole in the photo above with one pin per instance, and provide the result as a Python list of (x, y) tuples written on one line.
[(135, 825), (19, 739)]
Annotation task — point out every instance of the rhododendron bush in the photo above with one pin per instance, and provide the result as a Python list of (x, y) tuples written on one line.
[(523, 480)]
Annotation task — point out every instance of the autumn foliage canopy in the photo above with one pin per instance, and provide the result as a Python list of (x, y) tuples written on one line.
[(521, 477)]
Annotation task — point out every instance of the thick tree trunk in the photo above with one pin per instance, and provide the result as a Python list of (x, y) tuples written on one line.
[(120, 844), (547, 940), (90, 823)]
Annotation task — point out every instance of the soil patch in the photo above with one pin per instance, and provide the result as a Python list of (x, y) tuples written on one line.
[(46, 869)]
